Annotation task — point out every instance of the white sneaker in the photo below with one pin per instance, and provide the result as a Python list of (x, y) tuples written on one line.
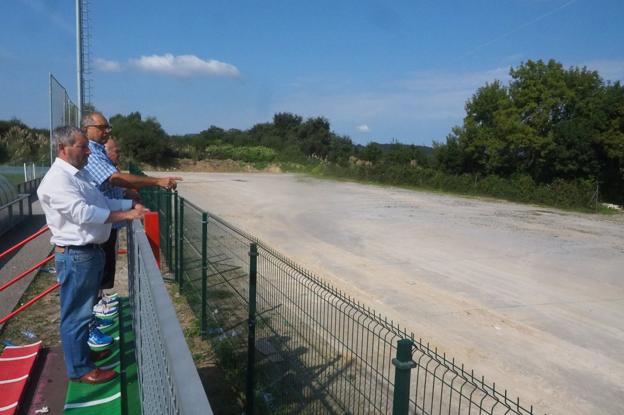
[(105, 311), (112, 296), (107, 300)]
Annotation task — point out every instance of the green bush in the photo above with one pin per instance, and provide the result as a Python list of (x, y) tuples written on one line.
[(257, 154), (577, 194)]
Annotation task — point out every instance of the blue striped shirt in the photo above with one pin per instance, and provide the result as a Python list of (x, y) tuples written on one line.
[(101, 168)]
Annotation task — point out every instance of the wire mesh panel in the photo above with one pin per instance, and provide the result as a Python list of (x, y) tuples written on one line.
[(168, 379), (191, 276), (440, 386), (333, 354), (212, 271)]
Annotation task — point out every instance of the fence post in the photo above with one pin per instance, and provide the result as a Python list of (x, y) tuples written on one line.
[(169, 231), (176, 224), (403, 364), (164, 230), (157, 192), (204, 292), (181, 245), (251, 337)]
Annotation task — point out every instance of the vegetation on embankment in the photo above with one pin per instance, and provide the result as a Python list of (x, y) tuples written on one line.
[(551, 136)]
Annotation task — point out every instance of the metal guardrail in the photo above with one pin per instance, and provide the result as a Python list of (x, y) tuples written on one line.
[(14, 212), (29, 187), (168, 379)]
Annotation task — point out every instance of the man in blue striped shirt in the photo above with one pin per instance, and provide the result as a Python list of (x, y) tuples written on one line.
[(111, 181)]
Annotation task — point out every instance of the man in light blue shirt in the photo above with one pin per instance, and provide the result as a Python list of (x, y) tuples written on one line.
[(111, 181)]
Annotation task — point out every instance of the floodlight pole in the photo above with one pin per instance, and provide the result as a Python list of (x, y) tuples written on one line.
[(79, 79), (52, 150)]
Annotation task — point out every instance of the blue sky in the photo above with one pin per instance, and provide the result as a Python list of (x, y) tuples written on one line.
[(378, 70)]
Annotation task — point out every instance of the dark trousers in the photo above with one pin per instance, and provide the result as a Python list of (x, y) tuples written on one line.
[(110, 255)]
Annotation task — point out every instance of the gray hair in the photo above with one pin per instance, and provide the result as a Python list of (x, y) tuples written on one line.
[(66, 135), (89, 118)]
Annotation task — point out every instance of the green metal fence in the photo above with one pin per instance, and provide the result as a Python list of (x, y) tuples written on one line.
[(292, 343)]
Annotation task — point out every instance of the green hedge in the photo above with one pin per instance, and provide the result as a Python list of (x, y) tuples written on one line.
[(249, 154), (577, 194)]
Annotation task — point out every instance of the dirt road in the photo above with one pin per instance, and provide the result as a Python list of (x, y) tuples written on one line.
[(530, 297)]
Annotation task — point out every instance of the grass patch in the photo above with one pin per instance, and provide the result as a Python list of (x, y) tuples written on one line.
[(41, 318), (212, 363)]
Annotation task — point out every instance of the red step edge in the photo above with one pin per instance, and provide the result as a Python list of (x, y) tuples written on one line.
[(16, 365)]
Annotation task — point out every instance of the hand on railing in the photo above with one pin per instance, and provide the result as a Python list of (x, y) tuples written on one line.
[(138, 211), (169, 183)]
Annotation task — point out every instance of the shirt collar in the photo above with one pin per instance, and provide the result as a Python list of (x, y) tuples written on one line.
[(93, 145), (66, 166)]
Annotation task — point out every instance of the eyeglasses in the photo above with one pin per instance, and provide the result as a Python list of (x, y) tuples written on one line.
[(104, 127)]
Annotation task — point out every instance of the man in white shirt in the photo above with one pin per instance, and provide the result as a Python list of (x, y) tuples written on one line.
[(80, 218)]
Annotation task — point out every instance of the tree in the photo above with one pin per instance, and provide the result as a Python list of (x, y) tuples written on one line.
[(5, 126), (372, 152), (340, 149), (140, 140), (314, 137), (286, 123), (549, 123), (25, 145)]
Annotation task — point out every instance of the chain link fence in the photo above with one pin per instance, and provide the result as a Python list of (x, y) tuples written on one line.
[(62, 112), (292, 343)]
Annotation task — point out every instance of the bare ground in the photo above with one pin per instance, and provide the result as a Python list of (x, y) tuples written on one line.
[(531, 297)]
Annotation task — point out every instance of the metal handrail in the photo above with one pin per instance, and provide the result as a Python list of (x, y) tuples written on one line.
[(30, 302), (23, 274), (19, 198), (24, 242)]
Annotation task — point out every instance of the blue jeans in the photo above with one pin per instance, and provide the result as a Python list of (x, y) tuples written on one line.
[(79, 270)]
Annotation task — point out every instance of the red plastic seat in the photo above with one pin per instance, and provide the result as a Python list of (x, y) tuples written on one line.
[(16, 364)]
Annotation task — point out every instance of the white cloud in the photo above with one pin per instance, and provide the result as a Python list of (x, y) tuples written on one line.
[(363, 128), (184, 65), (106, 65)]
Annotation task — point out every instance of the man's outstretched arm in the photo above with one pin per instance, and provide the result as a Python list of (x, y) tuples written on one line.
[(132, 181)]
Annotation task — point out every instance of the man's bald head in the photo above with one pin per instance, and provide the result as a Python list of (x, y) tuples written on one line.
[(95, 126)]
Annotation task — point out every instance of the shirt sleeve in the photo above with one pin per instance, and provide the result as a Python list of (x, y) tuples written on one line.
[(70, 203), (100, 168), (119, 204)]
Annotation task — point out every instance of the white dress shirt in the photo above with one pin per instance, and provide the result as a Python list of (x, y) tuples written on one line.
[(76, 211)]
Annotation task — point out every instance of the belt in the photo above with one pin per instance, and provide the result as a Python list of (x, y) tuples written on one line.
[(62, 249)]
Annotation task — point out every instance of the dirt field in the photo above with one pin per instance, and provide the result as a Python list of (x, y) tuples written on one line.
[(530, 297)]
